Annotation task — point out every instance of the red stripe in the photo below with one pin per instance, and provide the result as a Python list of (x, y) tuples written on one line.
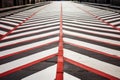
[(99, 52), (20, 24), (26, 65), (97, 17), (91, 69), (19, 52), (95, 40), (60, 61), (26, 41)]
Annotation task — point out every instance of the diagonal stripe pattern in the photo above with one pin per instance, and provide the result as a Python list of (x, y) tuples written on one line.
[(62, 41)]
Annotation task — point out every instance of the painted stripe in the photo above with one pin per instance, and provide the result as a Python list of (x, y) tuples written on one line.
[(95, 32), (115, 23), (60, 61), (13, 42), (48, 74), (26, 65), (24, 47), (2, 32), (75, 23), (113, 16), (97, 17), (104, 40), (21, 23), (91, 27), (6, 27), (100, 43), (94, 47), (12, 23), (20, 52), (15, 18), (109, 69), (22, 61), (17, 21), (94, 51), (38, 24), (114, 19), (42, 21), (31, 32), (35, 27)]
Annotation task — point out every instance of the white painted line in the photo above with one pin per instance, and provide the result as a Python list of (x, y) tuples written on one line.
[(12, 23), (112, 16), (5, 26), (115, 23), (92, 37), (49, 74), (41, 24), (11, 20), (24, 47), (31, 32), (27, 38), (94, 46), (46, 74), (113, 19), (75, 23), (2, 32), (28, 28), (93, 63), (90, 27), (95, 32), (25, 60), (42, 21)]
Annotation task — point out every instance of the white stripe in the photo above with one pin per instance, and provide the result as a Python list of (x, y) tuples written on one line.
[(49, 74), (16, 18), (41, 24), (118, 26), (45, 22), (30, 32), (5, 26), (90, 27), (28, 28), (86, 24), (92, 37), (2, 32), (24, 47), (22, 61), (42, 21), (93, 46), (93, 63), (95, 32), (113, 19), (9, 22), (46, 74), (115, 23), (27, 38)]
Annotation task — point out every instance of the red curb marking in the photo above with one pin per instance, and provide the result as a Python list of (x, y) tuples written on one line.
[(91, 69), (60, 61), (26, 65)]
